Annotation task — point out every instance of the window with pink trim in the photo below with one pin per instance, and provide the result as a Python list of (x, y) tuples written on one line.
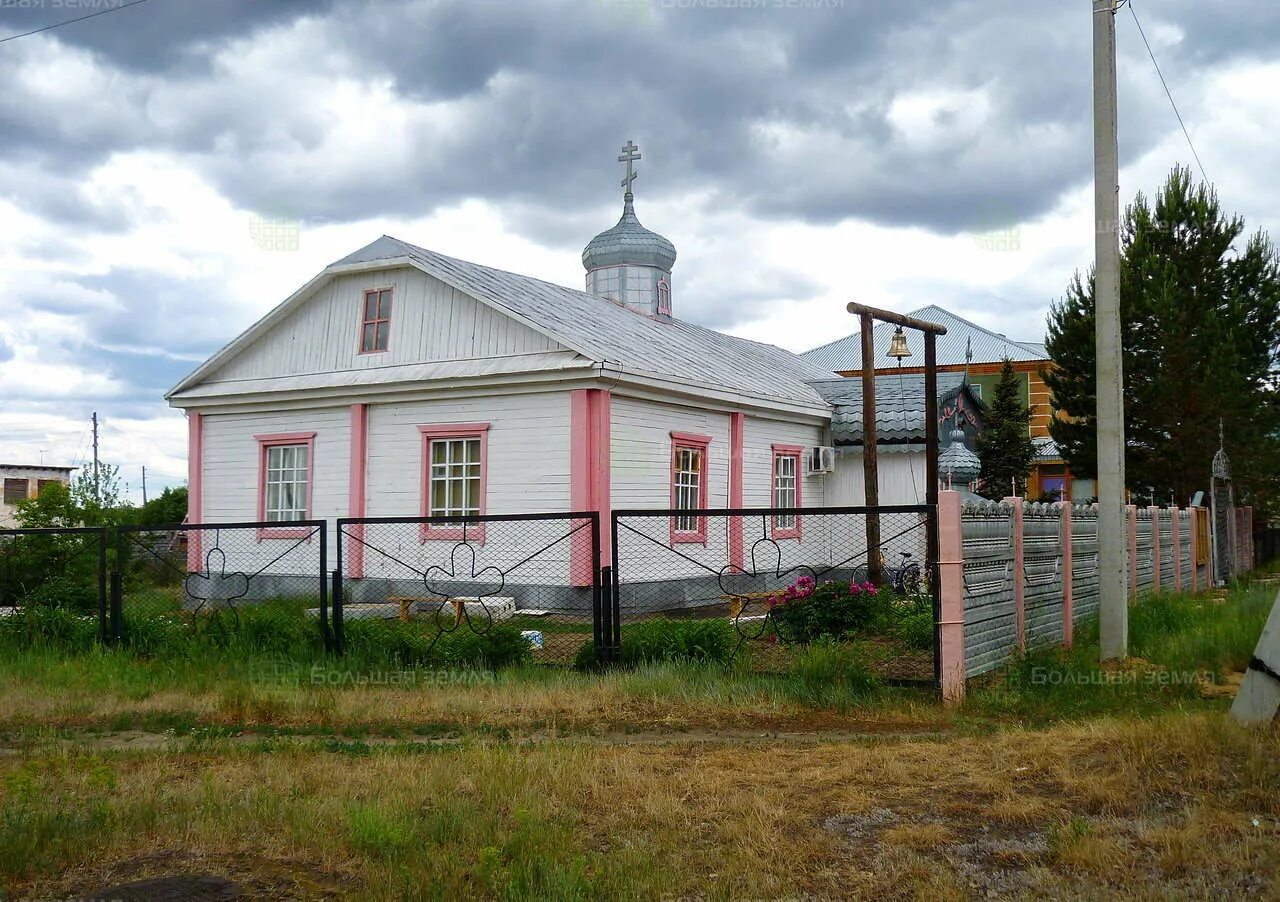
[(689, 486), (286, 463), (664, 297), (455, 478), (786, 490), (375, 324)]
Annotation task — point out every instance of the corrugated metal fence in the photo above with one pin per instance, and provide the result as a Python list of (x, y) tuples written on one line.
[(1031, 571)]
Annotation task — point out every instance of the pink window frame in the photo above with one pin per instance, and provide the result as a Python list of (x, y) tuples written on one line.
[(472, 532), (275, 440), (796, 451), (702, 443), (364, 305)]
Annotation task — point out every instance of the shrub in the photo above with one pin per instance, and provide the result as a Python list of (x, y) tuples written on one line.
[(913, 621), (652, 641), (827, 671), (44, 626), (380, 644), (807, 611)]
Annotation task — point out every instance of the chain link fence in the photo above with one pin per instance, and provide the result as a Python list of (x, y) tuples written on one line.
[(494, 589), (63, 568), (762, 575), (264, 579)]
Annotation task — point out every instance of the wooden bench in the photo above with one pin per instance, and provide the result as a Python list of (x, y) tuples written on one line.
[(738, 603), (406, 603), (498, 607)]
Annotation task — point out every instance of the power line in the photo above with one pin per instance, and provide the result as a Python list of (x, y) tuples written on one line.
[(43, 28), (1167, 92)]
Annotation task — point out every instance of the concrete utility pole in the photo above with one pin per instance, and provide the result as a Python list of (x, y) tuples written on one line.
[(97, 490), (1113, 588)]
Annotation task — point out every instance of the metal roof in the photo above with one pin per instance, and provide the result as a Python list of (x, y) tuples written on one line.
[(845, 354), (899, 405), (615, 337)]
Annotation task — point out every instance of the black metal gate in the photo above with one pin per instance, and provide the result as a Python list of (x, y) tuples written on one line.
[(742, 564)]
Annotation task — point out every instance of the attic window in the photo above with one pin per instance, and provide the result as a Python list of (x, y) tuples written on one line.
[(375, 327)]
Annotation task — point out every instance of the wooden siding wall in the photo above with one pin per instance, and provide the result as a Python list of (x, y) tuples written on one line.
[(759, 437), (429, 322), (528, 451), (641, 452), (231, 477)]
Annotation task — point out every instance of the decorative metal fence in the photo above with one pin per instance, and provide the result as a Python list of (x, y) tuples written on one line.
[(63, 567), (737, 565), (438, 581), (172, 574)]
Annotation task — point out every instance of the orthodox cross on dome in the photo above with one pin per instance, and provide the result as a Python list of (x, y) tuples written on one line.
[(630, 153)]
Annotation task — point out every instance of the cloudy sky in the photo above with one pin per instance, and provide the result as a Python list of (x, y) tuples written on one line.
[(800, 154)]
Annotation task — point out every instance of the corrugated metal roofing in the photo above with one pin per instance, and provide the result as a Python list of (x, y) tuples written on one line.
[(899, 406), (619, 338), (845, 354)]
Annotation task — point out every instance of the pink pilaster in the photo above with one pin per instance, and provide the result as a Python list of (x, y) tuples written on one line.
[(1019, 571), (951, 597), (356, 506), (589, 476), (737, 423), (1068, 604), (1176, 538), (1131, 511), (1155, 549), (195, 490)]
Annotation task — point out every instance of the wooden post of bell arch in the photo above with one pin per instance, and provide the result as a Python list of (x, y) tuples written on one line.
[(870, 462)]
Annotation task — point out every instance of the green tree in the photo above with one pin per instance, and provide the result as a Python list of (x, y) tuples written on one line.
[(1200, 328), (1004, 444), (169, 507)]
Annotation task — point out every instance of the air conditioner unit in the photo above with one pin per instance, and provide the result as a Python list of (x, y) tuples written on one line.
[(820, 460)]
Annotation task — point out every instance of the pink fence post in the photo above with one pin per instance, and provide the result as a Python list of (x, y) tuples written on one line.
[(1132, 512), (1155, 549), (1176, 538), (1068, 621), (951, 597), (1019, 572), (1193, 524)]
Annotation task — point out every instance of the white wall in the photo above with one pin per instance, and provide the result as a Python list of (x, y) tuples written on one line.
[(528, 451), (759, 437), (641, 451), (231, 479), (429, 322), (902, 479)]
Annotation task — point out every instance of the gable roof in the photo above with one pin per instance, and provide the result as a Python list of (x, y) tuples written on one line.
[(609, 335), (899, 405), (845, 354)]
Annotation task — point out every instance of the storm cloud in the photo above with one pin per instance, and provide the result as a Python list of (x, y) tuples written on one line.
[(140, 145)]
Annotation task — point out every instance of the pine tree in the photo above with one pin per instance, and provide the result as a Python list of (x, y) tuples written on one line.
[(1200, 328), (1004, 445)]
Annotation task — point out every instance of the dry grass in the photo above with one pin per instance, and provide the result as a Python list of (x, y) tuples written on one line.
[(1145, 810)]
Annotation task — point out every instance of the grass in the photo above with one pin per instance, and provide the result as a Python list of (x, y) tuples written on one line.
[(664, 779)]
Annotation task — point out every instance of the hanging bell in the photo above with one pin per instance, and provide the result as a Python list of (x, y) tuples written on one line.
[(898, 346)]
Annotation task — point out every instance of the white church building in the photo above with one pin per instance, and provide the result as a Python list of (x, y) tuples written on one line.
[(399, 382)]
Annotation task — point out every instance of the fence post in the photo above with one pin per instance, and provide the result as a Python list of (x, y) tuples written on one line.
[(339, 643), (1175, 536), (102, 586), (951, 657), (1068, 601), (1131, 511), (1019, 572), (325, 638), (1156, 558), (116, 628)]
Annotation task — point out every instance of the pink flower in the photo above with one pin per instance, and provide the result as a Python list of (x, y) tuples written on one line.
[(868, 587)]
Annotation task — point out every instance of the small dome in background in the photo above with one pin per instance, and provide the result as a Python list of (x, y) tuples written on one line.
[(957, 464), (629, 244)]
